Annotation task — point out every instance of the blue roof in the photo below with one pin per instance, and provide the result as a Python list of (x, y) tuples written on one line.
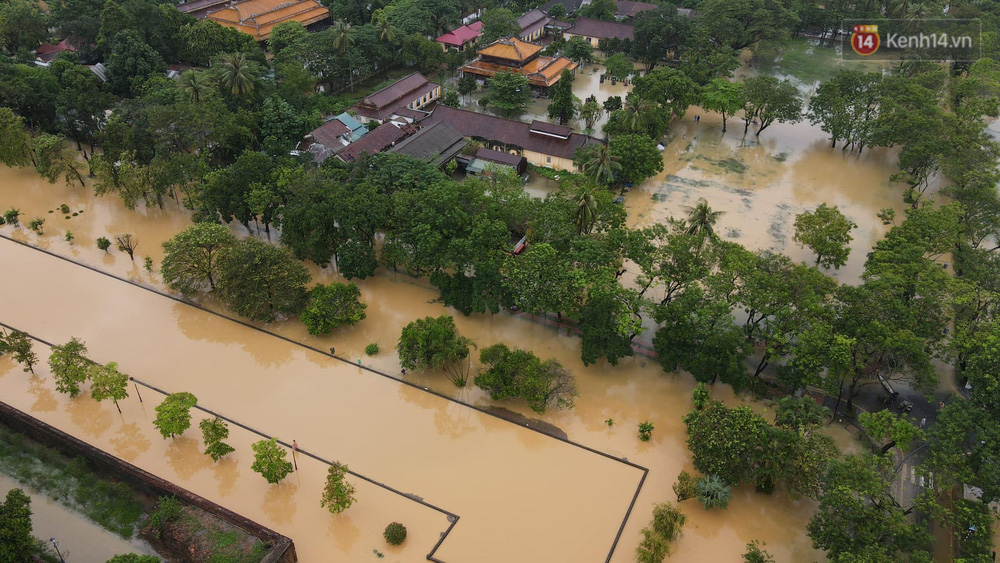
[(357, 128)]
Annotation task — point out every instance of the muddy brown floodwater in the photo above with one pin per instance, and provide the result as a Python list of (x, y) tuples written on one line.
[(370, 423)]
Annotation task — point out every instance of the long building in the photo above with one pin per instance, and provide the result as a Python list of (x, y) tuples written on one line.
[(257, 17), (518, 57), (412, 92)]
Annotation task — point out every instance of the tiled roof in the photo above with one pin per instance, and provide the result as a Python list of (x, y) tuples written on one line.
[(601, 29), (47, 52), (546, 128), (507, 131), (258, 17), (382, 104), (436, 143), (201, 8), (329, 133), (628, 8), (376, 141), (532, 21), (498, 156), (461, 35), (541, 71), (512, 49)]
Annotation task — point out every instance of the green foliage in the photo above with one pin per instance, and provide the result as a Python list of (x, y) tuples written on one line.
[(661, 533), (886, 425), (518, 373), (127, 244), (722, 96), (767, 99), (106, 382), (131, 63), (657, 34), (497, 23), (618, 66), (371, 349), (168, 509), (53, 159), (338, 494), (645, 430), (700, 396), (713, 492), (395, 533), (213, 432), (14, 140), (11, 215), (16, 541), (686, 486), (269, 460), (563, 104), (801, 413), (173, 415), (69, 236), (745, 24), (18, 344), (450, 99), (579, 49), (260, 281), (284, 35), (434, 343), (600, 10), (508, 93), (722, 440), (331, 306), (147, 264), (638, 156), (827, 233), (134, 558), (756, 553), (36, 225)]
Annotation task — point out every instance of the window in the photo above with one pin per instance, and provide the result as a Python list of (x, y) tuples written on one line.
[(548, 159)]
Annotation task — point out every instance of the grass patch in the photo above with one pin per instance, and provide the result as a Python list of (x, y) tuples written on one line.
[(206, 538), (732, 165), (807, 61), (71, 482)]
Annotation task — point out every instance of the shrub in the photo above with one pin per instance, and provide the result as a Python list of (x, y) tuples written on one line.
[(395, 533), (12, 215), (36, 224), (64, 208), (686, 486), (103, 243), (70, 236), (660, 534), (713, 492), (645, 430), (167, 510), (147, 263), (371, 349)]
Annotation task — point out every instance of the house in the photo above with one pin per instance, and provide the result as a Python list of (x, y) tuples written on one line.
[(333, 136), (532, 25), (200, 9), (540, 143), (460, 38), (258, 17), (627, 9), (436, 144), (593, 31), (377, 140), (514, 55), (46, 53), (413, 92), (485, 157)]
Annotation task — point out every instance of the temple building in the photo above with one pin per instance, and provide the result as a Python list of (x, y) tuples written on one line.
[(257, 17), (514, 55)]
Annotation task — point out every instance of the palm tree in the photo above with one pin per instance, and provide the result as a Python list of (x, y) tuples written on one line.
[(600, 164), (387, 32), (773, 463), (701, 219), (194, 84), (586, 209), (237, 74), (637, 112), (342, 41), (713, 492)]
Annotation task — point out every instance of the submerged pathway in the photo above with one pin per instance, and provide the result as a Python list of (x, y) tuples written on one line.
[(522, 496)]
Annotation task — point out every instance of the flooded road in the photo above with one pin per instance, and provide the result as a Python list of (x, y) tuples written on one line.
[(80, 540)]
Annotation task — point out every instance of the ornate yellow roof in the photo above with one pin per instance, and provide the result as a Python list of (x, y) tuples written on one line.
[(512, 49), (258, 17)]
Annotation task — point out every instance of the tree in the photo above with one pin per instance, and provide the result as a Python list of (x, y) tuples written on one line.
[(338, 494), (508, 93), (284, 35), (11, 216), (686, 485), (609, 322), (590, 112), (343, 40), (701, 219), (827, 233), (22, 27), (54, 160), (213, 432), (434, 343), (597, 161), (672, 91), (723, 440), (767, 99), (517, 373), (756, 553), (661, 532), (467, 84), (14, 139), (450, 99), (106, 382), (543, 280), (331, 306), (722, 96), (127, 243), (19, 345), (612, 103), (847, 107), (260, 281), (563, 105), (237, 74), (190, 259), (16, 541), (103, 243), (269, 460), (131, 62), (659, 33), (579, 49), (746, 23), (173, 415), (70, 366), (713, 492), (195, 84), (638, 156), (498, 23), (618, 66), (885, 425), (600, 10)]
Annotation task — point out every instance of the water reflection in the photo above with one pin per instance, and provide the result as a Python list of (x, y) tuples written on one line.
[(88, 415), (45, 400), (212, 328), (129, 442), (279, 501), (226, 472), (185, 456), (343, 531)]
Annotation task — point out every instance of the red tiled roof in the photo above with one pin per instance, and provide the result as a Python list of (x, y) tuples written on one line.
[(462, 35), (501, 157), (329, 133), (48, 52), (376, 141), (507, 131), (628, 8), (601, 29)]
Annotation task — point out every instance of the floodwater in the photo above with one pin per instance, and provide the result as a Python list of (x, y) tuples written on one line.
[(79, 538)]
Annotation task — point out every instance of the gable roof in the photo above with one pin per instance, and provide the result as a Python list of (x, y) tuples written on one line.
[(462, 35), (510, 48), (258, 17), (47, 52), (601, 29), (628, 8), (436, 144), (382, 104), (532, 21), (329, 133), (507, 131), (201, 8), (376, 141), (545, 128), (499, 157)]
